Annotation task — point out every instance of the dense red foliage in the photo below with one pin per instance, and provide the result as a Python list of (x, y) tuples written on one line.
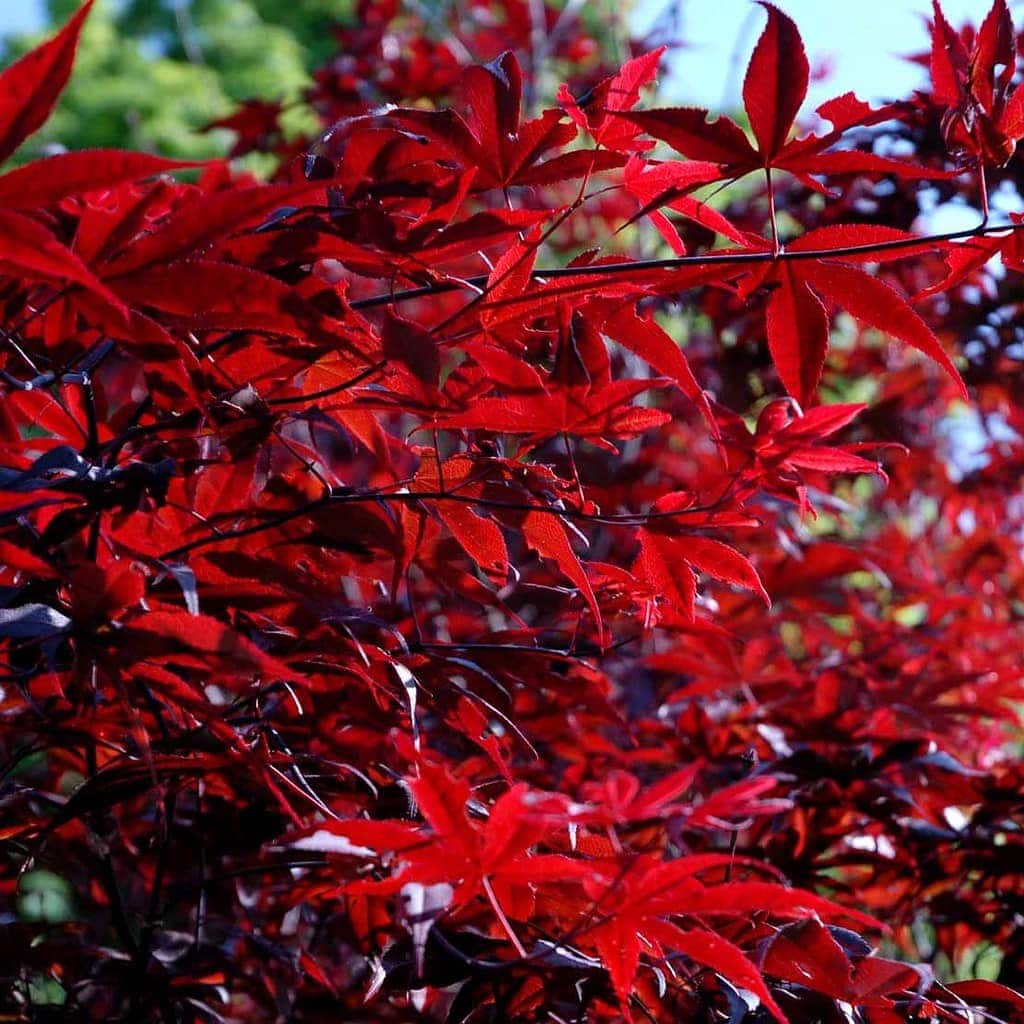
[(418, 604)]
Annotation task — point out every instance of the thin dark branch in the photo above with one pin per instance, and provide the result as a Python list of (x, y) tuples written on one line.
[(617, 519), (327, 392), (678, 262)]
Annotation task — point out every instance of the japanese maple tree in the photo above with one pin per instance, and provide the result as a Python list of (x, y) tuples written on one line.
[(533, 559)]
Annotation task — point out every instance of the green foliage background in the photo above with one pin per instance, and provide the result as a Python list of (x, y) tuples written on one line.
[(150, 73)]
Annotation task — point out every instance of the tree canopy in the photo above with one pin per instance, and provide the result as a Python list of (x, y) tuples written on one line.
[(534, 554)]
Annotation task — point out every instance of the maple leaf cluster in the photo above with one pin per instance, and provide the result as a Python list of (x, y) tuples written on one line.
[(518, 564)]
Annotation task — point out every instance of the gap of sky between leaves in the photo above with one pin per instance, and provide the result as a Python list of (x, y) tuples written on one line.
[(860, 42)]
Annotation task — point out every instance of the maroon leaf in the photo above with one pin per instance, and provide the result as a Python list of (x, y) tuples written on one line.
[(797, 333), (775, 83), (408, 343), (30, 251), (45, 182), (29, 88)]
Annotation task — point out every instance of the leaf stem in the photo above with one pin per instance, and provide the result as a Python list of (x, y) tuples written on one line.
[(770, 185), (500, 914)]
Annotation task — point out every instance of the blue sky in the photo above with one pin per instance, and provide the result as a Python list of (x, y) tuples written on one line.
[(862, 38), (16, 15)]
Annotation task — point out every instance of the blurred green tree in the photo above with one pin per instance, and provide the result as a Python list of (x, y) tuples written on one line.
[(151, 73)]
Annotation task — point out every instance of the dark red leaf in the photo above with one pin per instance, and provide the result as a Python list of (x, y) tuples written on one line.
[(29, 88), (45, 182), (776, 82)]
